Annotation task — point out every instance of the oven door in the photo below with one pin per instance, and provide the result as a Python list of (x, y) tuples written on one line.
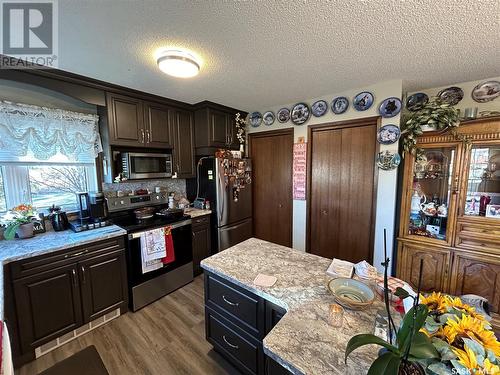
[(181, 235), (146, 165)]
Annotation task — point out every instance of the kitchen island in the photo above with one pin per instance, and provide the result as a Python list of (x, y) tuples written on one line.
[(303, 341)]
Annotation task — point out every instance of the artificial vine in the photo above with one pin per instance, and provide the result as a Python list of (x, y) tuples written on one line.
[(437, 114)]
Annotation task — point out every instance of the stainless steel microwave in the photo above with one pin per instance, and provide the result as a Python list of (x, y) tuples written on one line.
[(137, 165)]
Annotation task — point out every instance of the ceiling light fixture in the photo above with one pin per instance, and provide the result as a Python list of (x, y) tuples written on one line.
[(178, 63)]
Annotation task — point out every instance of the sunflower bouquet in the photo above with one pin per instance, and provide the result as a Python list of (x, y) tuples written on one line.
[(462, 336)]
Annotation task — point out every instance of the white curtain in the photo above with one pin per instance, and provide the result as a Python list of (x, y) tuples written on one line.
[(44, 132)]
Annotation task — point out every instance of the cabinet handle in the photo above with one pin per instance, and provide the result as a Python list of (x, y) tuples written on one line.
[(148, 137), (229, 302), (142, 136), (83, 274), (75, 254), (228, 343), (73, 276), (455, 185)]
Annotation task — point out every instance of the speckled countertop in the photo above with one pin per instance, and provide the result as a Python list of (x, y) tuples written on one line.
[(49, 242), (303, 341), (196, 212)]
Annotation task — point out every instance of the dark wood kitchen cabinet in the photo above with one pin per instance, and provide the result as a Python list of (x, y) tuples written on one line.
[(236, 321), (126, 120), (158, 132), (56, 293), (137, 123), (182, 129), (103, 282), (215, 127), (201, 241), (48, 305)]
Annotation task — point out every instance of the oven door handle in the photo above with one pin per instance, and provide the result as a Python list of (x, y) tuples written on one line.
[(132, 236)]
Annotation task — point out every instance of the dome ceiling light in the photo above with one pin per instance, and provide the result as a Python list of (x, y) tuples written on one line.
[(178, 63)]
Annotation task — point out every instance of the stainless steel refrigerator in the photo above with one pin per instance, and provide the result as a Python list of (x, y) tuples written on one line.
[(226, 183)]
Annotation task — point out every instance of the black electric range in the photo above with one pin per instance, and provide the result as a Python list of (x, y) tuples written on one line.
[(145, 288)]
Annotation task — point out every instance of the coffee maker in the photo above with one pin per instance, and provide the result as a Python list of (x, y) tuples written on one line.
[(92, 212)]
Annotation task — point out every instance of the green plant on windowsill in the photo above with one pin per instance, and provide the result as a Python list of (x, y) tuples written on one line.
[(436, 115), (411, 345), (18, 217)]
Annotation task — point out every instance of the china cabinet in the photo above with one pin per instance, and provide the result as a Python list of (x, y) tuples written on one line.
[(450, 212)]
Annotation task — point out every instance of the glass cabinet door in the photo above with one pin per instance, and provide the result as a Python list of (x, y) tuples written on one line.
[(482, 196), (432, 192)]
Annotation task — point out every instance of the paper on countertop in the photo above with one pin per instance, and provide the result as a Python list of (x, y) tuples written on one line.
[(365, 270), (340, 268), (265, 280)]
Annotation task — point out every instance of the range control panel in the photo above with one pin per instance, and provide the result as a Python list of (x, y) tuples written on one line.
[(135, 201)]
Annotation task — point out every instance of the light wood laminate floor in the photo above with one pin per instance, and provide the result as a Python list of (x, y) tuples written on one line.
[(166, 337)]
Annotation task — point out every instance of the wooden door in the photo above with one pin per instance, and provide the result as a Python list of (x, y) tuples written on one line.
[(342, 189), (183, 143), (157, 129), (271, 154), (435, 269), (48, 305), (103, 281), (477, 274), (126, 120), (218, 128)]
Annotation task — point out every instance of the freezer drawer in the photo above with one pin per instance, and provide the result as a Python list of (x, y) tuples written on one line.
[(231, 235)]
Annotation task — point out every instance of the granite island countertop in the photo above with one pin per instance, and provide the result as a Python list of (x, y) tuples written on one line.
[(45, 243), (303, 341)]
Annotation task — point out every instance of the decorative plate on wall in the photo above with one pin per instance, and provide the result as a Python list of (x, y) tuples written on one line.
[(340, 105), (416, 101), (486, 91), (319, 108), (363, 101), (300, 113), (451, 95), (388, 160), (390, 107), (268, 118), (388, 134), (283, 115), (255, 119)]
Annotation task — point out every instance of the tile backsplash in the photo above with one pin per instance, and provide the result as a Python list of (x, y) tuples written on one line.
[(170, 185)]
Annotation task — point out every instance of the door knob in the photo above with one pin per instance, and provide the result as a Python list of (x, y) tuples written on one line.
[(280, 205), (324, 212)]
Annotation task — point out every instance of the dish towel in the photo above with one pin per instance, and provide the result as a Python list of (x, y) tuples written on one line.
[(169, 246), (153, 249)]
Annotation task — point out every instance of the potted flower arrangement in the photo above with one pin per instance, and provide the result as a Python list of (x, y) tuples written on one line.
[(19, 221), (240, 131), (462, 336)]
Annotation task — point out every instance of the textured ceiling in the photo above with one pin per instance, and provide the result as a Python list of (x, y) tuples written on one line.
[(257, 54)]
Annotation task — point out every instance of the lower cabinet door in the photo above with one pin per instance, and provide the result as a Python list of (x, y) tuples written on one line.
[(274, 368), (48, 305), (242, 350), (477, 274), (201, 246), (435, 267), (103, 282)]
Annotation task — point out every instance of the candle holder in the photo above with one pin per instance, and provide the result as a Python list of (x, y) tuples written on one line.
[(336, 315)]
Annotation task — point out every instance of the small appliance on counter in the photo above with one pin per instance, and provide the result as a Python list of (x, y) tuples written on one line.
[(58, 218), (92, 212)]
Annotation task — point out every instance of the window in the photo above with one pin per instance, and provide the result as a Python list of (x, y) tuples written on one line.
[(46, 156)]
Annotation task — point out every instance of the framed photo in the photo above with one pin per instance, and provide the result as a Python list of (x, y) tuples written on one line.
[(39, 224), (493, 210)]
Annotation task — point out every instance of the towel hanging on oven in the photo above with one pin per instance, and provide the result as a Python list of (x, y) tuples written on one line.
[(153, 249)]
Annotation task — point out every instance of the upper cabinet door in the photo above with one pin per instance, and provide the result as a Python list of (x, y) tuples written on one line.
[(126, 120), (157, 130), (219, 135), (183, 131)]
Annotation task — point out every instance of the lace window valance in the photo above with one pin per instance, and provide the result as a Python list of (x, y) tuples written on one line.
[(45, 132)]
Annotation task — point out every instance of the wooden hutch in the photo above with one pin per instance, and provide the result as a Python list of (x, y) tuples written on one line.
[(450, 213)]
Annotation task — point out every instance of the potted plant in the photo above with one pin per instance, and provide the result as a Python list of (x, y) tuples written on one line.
[(435, 115), (240, 132), (19, 221), (408, 346)]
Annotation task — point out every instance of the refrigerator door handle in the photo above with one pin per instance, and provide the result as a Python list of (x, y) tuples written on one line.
[(221, 190)]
